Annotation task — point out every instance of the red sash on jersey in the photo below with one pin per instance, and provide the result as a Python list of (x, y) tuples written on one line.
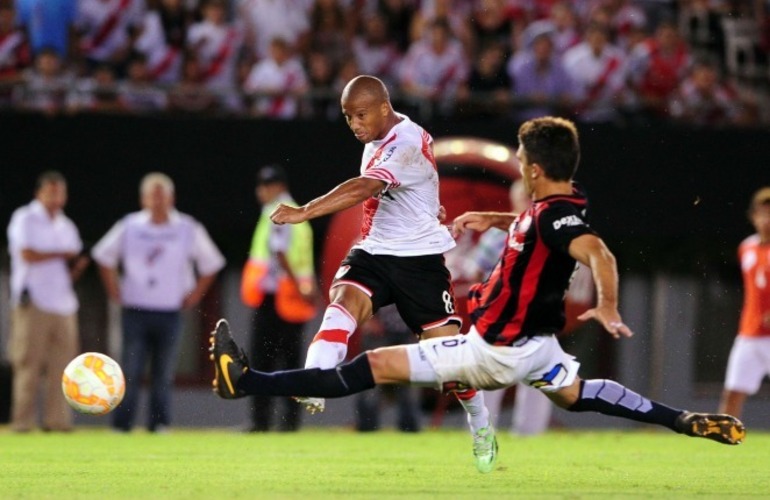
[(384, 68), (594, 90), (107, 27), (219, 60), (12, 52), (276, 106), (164, 64), (445, 79)]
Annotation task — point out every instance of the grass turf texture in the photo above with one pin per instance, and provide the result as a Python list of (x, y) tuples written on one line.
[(323, 463)]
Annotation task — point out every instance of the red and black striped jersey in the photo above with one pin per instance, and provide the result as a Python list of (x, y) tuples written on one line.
[(524, 294)]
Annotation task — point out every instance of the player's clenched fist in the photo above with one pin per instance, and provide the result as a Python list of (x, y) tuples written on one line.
[(284, 214)]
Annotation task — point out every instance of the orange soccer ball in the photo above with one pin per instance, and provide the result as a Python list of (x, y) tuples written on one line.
[(93, 383)]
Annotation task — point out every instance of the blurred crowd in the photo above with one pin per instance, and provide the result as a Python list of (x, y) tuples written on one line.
[(615, 61)]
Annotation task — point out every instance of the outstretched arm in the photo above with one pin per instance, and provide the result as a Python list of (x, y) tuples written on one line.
[(481, 221), (590, 250), (347, 194)]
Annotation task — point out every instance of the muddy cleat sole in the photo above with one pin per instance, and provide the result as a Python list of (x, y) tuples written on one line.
[(230, 362), (312, 405), (724, 429), (485, 449)]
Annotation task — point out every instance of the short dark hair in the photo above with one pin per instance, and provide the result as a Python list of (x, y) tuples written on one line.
[(49, 177), (553, 144)]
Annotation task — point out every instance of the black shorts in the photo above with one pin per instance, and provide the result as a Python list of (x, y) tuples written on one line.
[(420, 287)]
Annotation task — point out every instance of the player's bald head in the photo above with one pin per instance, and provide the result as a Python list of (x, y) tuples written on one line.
[(365, 86)]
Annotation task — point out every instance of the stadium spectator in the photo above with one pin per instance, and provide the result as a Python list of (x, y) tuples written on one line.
[(265, 20), (384, 329), (703, 100), (162, 40), (513, 334), (566, 24), (375, 51), (434, 69), (491, 23), (190, 95), (276, 82), (455, 14), (330, 31), (279, 283), (46, 85), (657, 66), (598, 72), (400, 258), (49, 24), (106, 31), (45, 249), (399, 16), (137, 94), (14, 53), (539, 79), (488, 89), (323, 102), (216, 45), (748, 363), (154, 263), (97, 93)]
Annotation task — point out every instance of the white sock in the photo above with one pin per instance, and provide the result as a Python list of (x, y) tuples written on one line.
[(478, 415), (330, 345)]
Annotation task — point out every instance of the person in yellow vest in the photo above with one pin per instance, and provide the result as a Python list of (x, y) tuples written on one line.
[(279, 283)]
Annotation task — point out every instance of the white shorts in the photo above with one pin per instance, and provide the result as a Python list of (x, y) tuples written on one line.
[(748, 364), (469, 361)]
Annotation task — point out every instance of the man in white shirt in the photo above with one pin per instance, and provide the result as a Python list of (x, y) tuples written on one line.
[(168, 262), (400, 257), (45, 247)]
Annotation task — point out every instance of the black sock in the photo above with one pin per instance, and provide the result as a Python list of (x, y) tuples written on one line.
[(610, 398), (346, 379)]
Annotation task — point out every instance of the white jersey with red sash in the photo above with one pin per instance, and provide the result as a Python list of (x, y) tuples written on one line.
[(14, 53), (164, 62), (106, 24), (382, 60), (217, 48), (598, 79), (402, 219), (441, 73), (269, 76)]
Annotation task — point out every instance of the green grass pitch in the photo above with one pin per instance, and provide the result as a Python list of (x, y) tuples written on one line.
[(336, 463)]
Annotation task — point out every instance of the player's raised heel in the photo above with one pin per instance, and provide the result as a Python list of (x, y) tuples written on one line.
[(312, 405), (230, 362), (485, 449), (721, 428)]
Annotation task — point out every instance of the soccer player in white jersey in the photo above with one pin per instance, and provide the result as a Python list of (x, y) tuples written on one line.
[(400, 256)]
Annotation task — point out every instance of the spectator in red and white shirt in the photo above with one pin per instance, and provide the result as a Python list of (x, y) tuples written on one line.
[(375, 52), (162, 41), (598, 72), (703, 99), (282, 78), (657, 66), (14, 53), (435, 68), (216, 44), (107, 29), (46, 84), (266, 19)]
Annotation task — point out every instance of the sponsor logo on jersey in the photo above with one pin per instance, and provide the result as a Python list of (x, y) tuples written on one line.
[(570, 220)]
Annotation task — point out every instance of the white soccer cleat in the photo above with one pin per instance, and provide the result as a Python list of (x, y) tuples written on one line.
[(312, 405), (485, 449)]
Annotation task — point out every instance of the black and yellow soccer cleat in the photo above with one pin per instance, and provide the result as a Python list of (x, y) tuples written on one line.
[(725, 429), (230, 362)]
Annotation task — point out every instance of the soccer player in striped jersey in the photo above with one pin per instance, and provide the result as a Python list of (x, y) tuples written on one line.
[(516, 313)]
